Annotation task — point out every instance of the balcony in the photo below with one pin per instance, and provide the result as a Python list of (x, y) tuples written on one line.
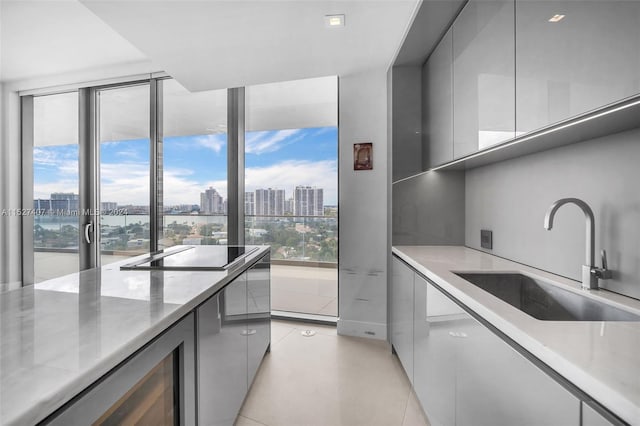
[(304, 273), (300, 289)]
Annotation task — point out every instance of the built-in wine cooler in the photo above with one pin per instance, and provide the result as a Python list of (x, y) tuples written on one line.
[(153, 387), (151, 401)]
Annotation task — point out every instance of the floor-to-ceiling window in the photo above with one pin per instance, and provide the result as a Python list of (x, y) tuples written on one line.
[(123, 123), (291, 190), (194, 166), (169, 160), (55, 185)]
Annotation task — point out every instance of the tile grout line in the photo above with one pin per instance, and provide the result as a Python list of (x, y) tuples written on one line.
[(253, 420), (406, 407)]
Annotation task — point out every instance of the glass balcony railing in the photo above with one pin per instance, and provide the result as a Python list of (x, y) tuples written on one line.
[(304, 251), (305, 239)]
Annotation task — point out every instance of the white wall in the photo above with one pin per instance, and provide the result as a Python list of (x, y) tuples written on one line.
[(10, 267), (364, 201)]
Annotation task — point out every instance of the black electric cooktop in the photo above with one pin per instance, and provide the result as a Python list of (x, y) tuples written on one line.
[(192, 258)]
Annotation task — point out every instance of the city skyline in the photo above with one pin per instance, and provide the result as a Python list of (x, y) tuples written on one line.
[(275, 158)]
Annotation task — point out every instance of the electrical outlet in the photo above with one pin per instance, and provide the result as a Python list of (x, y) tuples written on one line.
[(486, 239)]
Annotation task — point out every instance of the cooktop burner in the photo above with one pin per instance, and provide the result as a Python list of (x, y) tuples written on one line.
[(188, 258)]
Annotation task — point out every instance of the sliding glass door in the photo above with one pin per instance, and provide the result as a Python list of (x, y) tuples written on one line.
[(55, 214), (86, 175), (123, 131)]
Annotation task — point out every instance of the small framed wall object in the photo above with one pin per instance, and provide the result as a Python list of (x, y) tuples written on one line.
[(363, 156)]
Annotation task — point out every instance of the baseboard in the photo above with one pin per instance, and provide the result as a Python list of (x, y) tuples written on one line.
[(370, 330)]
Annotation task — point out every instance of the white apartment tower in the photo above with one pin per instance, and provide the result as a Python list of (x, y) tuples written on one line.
[(250, 203), (308, 201), (269, 202), (211, 202)]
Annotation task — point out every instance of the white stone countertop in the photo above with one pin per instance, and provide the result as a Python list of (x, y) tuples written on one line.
[(59, 336), (600, 358)]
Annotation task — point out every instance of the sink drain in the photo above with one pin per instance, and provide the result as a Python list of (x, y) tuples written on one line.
[(308, 333)]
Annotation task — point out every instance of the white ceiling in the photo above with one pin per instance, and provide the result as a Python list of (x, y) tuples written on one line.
[(206, 44), (45, 38), (218, 44)]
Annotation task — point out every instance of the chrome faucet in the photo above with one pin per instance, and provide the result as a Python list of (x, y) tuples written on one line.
[(590, 273)]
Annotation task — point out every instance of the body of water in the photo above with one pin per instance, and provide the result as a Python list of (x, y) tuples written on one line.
[(53, 223)]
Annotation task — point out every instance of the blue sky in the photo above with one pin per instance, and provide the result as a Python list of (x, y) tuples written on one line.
[(278, 159)]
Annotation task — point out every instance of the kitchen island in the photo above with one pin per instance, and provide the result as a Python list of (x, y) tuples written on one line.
[(60, 337)]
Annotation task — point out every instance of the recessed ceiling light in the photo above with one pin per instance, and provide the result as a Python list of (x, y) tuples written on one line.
[(556, 18), (334, 20)]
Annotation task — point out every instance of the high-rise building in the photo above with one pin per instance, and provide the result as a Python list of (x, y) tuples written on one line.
[(211, 202), (250, 203), (288, 206), (106, 206), (269, 202), (308, 201), (65, 201)]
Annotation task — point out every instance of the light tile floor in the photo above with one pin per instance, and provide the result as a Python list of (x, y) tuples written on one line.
[(329, 380), (304, 289)]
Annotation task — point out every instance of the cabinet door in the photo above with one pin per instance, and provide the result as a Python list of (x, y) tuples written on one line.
[(437, 326), (222, 354), (437, 126), (483, 76), (401, 323), (497, 386), (587, 59), (590, 417), (259, 314)]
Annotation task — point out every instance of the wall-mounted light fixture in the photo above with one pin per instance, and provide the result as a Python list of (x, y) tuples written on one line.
[(334, 21), (556, 18)]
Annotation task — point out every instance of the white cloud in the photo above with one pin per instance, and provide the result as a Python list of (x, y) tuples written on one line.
[(213, 142), (179, 189), (128, 183), (263, 142), (125, 183), (44, 190)]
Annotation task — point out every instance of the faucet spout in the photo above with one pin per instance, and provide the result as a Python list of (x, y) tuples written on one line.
[(590, 224), (589, 280)]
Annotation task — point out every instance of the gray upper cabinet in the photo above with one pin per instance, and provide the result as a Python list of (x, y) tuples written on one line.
[(437, 108), (407, 121), (588, 59), (483, 76)]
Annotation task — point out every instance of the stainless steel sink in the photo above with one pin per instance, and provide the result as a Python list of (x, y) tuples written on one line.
[(545, 301)]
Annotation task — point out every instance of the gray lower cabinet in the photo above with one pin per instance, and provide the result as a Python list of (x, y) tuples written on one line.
[(401, 322), (258, 314), (591, 417), (496, 385), (463, 372), (222, 354), (437, 321)]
